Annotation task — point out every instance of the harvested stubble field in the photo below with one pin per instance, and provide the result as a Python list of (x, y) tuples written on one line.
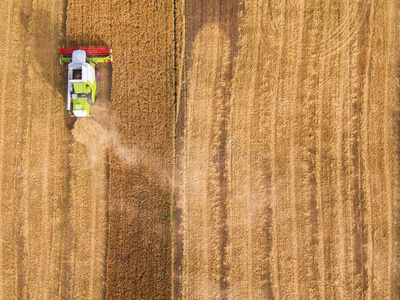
[(288, 183), (283, 121), (34, 139)]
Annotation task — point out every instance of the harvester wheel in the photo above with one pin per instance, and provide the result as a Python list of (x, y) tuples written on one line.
[(89, 100), (97, 75)]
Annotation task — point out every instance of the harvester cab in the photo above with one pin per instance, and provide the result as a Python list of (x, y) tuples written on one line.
[(82, 77)]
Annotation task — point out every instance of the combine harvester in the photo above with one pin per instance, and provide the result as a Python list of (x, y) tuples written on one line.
[(83, 76)]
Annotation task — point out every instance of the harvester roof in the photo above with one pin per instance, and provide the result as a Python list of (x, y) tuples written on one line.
[(79, 56)]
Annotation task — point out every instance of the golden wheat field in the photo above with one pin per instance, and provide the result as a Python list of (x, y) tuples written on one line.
[(240, 150)]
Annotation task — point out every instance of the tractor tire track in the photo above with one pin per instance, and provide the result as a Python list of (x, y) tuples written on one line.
[(207, 263), (275, 159), (259, 210), (339, 182), (391, 140), (345, 170), (6, 21), (325, 160), (250, 213), (322, 175), (210, 31), (303, 151), (246, 192), (14, 119), (379, 151), (355, 94), (366, 156), (177, 160), (295, 153), (46, 169), (287, 239), (331, 166)]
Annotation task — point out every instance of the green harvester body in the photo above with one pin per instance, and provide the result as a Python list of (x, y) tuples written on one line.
[(83, 76)]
